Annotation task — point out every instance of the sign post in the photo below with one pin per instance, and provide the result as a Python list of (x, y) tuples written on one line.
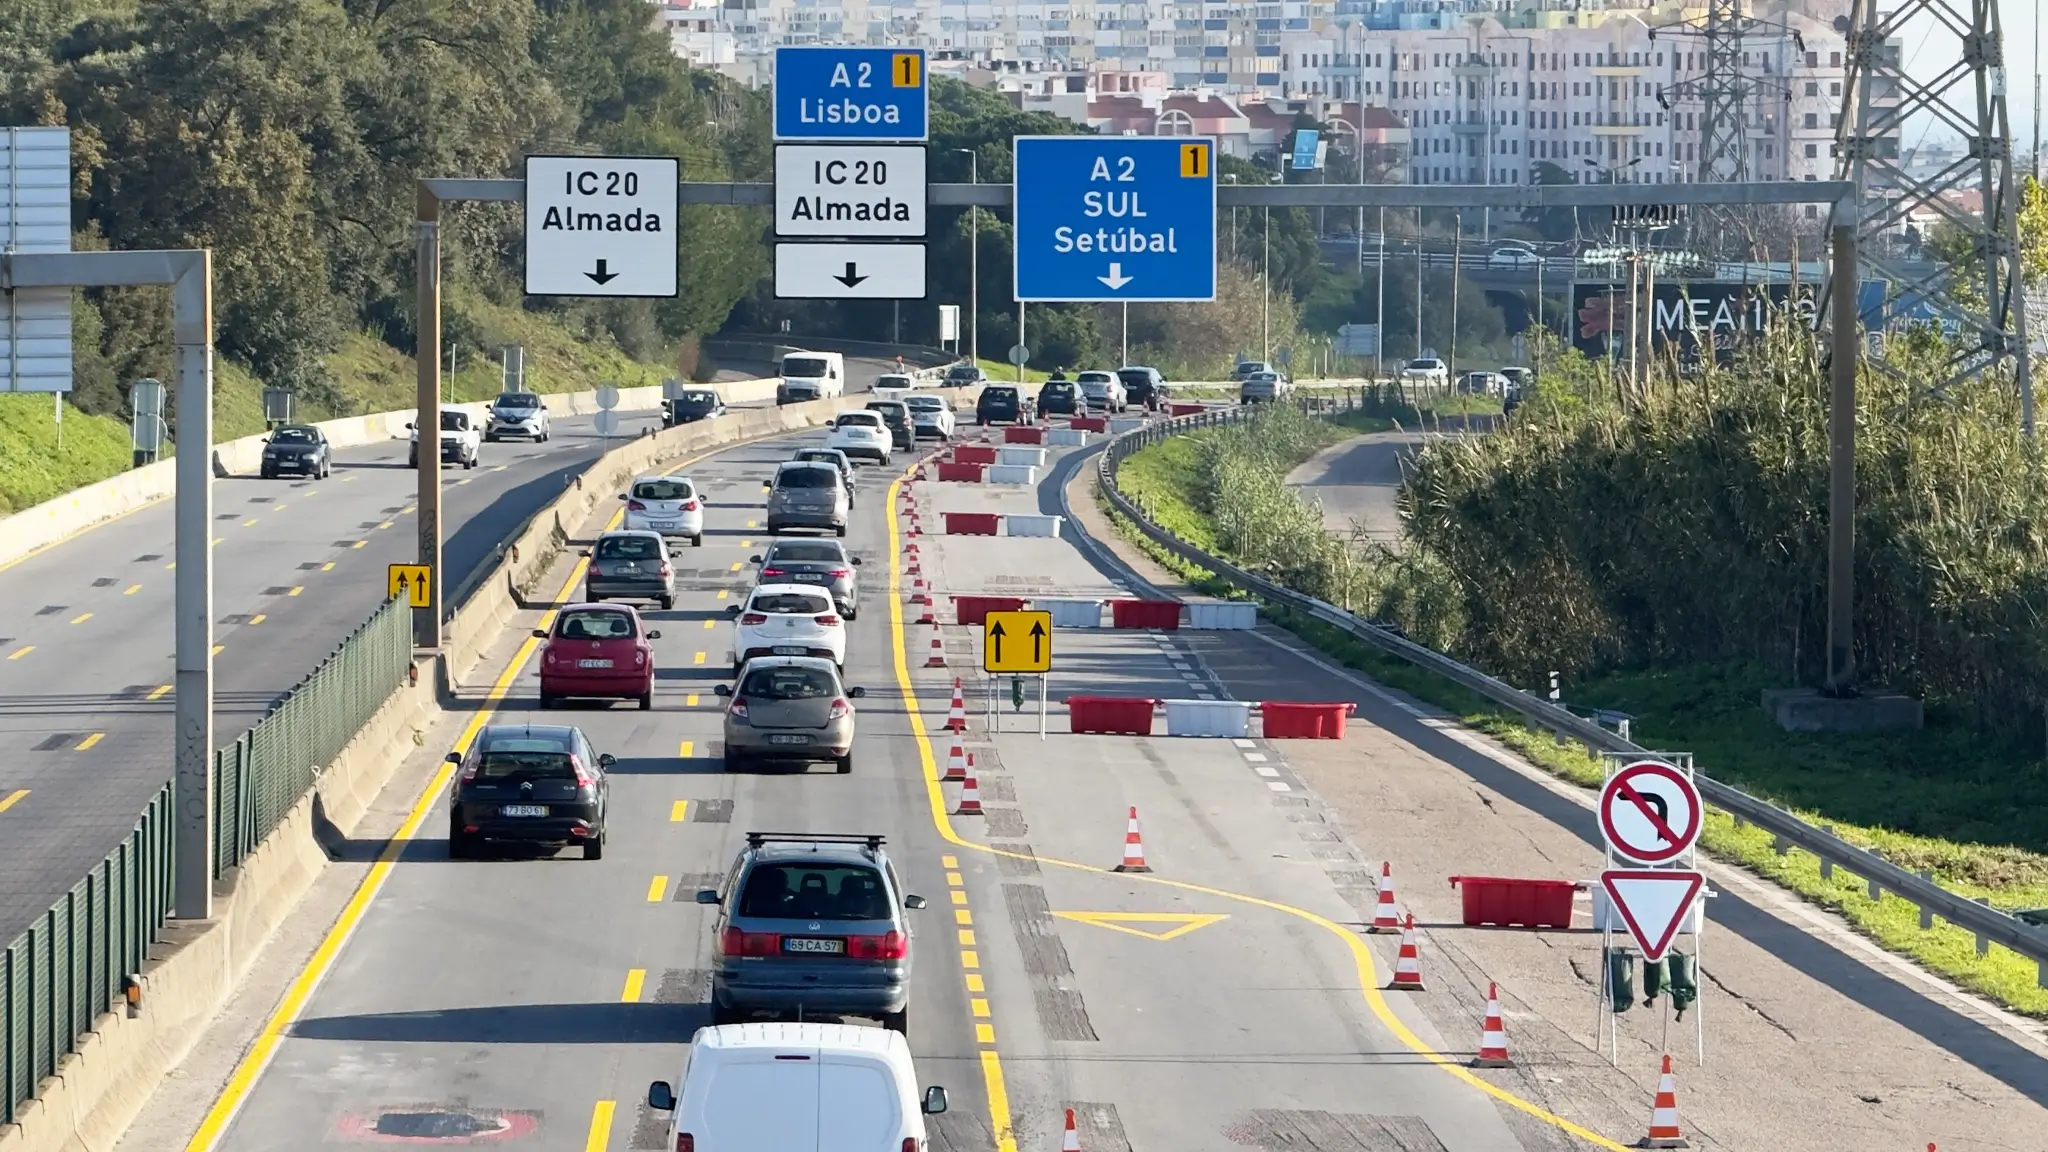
[(1115, 218), (1651, 815)]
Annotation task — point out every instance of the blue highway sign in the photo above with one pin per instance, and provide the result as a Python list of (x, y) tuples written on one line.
[(844, 93), (1106, 218)]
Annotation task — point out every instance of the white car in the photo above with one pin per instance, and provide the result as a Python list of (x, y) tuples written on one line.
[(787, 620), (461, 440), (862, 436), (894, 385), (518, 414), (1483, 384), (1102, 390), (1513, 257), (668, 505), (930, 416), (1427, 370)]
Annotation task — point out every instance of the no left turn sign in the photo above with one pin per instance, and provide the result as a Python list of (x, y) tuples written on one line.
[(1650, 812)]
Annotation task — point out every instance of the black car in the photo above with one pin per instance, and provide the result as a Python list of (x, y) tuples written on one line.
[(297, 450), (1143, 386), (540, 784), (963, 376), (896, 414), (1002, 404), (1058, 398), (693, 405)]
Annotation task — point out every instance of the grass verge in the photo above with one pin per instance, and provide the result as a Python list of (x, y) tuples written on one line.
[(1938, 801)]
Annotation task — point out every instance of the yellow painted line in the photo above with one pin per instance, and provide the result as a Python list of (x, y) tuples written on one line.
[(408, 510), (963, 917), (347, 479), (327, 567), (81, 618), (277, 507), (656, 889), (158, 692), (635, 978), (220, 539), (249, 523), (959, 897), (746, 544), (600, 1136), (986, 1034), (979, 1007), (359, 543), (171, 565), (722, 593), (735, 565), (89, 741), (258, 618), (953, 878), (949, 862), (679, 812), (13, 798), (967, 937), (689, 749), (1365, 967), (753, 523), (384, 525), (709, 623), (700, 658), (690, 701), (131, 590), (66, 539), (1184, 922), (974, 982), (217, 648), (18, 653), (296, 589), (970, 959)]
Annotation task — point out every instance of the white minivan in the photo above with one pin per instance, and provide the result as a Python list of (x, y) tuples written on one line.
[(796, 1087), (811, 376)]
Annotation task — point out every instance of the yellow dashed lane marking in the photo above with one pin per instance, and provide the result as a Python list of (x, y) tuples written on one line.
[(13, 798), (158, 692), (656, 889), (679, 811), (635, 978), (131, 590), (81, 618), (91, 740)]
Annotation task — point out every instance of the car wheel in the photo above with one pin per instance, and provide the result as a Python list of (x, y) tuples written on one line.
[(737, 667), (720, 1014), (843, 763), (839, 530), (897, 1021), (266, 474), (546, 701), (459, 847), (594, 850), (852, 613), (734, 761), (647, 700), (667, 603), (697, 541)]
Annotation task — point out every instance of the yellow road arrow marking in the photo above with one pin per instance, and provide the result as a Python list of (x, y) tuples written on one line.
[(1183, 922)]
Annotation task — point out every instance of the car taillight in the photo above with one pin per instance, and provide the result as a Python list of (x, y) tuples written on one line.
[(665, 569), (767, 572), (891, 945), (685, 1142), (828, 620), (841, 573), (738, 943), (639, 657), (689, 505), (582, 778), (635, 506), (737, 709), (549, 655), (754, 618), (910, 1144), (839, 709), (469, 773)]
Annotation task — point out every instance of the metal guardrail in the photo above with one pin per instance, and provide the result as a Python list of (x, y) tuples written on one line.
[(1990, 925)]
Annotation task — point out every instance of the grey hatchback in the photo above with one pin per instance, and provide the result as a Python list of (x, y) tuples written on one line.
[(630, 565), (808, 494), (824, 563), (789, 708), (809, 924)]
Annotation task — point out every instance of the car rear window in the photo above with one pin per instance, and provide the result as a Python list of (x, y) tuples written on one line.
[(662, 490), (807, 478), (860, 420), (526, 757), (803, 552), (594, 624), (628, 548), (790, 682), (789, 604), (814, 892), (802, 367), (925, 403), (700, 398), (454, 421), (1009, 394), (813, 455)]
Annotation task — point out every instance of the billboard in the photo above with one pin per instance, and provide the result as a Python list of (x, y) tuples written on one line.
[(1690, 316), (1306, 154)]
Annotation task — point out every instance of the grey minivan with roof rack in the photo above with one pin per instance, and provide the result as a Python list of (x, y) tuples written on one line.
[(812, 924)]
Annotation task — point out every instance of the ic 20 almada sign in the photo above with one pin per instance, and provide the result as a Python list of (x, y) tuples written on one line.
[(601, 225), (833, 92)]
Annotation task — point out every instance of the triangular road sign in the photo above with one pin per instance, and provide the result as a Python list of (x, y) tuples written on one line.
[(1653, 903), (1170, 924)]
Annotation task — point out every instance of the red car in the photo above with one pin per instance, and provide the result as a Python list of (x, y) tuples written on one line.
[(599, 652)]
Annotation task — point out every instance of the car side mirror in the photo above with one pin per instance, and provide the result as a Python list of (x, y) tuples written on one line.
[(607, 759), (622, 495), (453, 758), (654, 635), (707, 896), (913, 902), (585, 553), (661, 1097), (935, 1100), (856, 693), (721, 690), (732, 609), (753, 559), (540, 633), (410, 427), (856, 561)]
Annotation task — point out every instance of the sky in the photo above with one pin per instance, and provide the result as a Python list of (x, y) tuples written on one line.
[(2021, 18)]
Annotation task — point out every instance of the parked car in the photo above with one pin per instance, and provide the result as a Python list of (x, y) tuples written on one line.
[(902, 435), (1143, 386), (1058, 398), (597, 652), (964, 376), (1102, 391), (789, 708), (630, 565), (861, 436), (930, 416), (766, 1087), (856, 961), (824, 563), (1426, 370), (787, 620), (668, 505), (297, 450), (523, 415), (808, 495), (1002, 404), (693, 405), (530, 784), (461, 440), (835, 458)]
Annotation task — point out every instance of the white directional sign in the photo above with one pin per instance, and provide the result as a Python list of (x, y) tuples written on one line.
[(1650, 812), (35, 217), (601, 225), (850, 190), (1653, 903), (849, 272)]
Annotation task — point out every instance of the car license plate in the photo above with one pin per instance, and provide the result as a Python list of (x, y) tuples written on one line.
[(789, 739), (523, 810), (662, 523), (813, 945), (789, 650), (593, 663), (809, 577)]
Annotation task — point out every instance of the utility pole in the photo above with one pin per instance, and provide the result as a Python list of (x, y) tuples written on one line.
[(1457, 253), (973, 261), (1379, 298)]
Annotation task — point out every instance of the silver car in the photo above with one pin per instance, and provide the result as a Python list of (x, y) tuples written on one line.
[(523, 415), (630, 565), (837, 459), (789, 708), (823, 563), (808, 495)]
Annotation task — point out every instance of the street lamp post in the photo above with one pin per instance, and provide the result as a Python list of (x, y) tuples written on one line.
[(973, 262)]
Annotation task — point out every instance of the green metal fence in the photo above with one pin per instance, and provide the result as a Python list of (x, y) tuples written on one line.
[(70, 964)]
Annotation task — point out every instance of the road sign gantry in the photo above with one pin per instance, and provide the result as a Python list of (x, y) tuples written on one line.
[(1115, 218)]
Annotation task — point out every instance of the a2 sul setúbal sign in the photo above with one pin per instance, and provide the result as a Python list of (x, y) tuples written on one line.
[(834, 92), (601, 225), (1107, 218)]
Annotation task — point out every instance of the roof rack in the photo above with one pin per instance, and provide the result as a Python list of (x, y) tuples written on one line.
[(871, 840)]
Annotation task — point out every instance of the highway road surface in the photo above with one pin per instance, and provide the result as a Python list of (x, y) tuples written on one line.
[(1359, 480), (86, 639)]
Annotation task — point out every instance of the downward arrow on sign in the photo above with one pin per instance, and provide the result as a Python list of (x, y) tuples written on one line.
[(852, 276), (1116, 278), (602, 274)]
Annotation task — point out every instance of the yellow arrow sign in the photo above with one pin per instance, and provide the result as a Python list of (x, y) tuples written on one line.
[(412, 583), (1017, 642), (1181, 923)]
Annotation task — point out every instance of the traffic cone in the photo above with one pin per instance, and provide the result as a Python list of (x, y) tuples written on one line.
[(925, 617), (956, 763), (938, 657), (956, 714), (1134, 847), (1385, 917), (970, 798), (1071, 1142), (917, 595), (1493, 1035), (912, 567), (1408, 965), (1664, 1131)]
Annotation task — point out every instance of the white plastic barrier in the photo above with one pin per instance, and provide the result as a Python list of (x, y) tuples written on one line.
[(1226, 718), (1066, 437), (1605, 917), (1010, 474), (1017, 525), (1122, 424), (1222, 614), (1023, 454), (1072, 613)]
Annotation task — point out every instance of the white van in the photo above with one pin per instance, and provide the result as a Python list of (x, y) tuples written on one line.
[(788, 1087), (811, 376)]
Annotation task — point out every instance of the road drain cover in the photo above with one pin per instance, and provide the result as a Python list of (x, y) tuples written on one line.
[(439, 1125)]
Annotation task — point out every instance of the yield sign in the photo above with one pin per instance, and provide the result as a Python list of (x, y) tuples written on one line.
[(1653, 903)]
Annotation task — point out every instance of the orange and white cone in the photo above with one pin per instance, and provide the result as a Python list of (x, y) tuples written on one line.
[(1664, 1131), (956, 713), (917, 595), (970, 798), (925, 617), (1493, 1035), (1071, 1142), (938, 657), (1385, 916), (1407, 965), (1134, 847), (956, 763)]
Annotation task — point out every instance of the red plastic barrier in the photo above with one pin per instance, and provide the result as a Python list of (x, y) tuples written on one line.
[(1088, 424), (973, 523), (1144, 614), (1295, 721), (974, 454), (971, 473), (974, 610), (1507, 903), (1111, 715), (1016, 434), (1184, 409)]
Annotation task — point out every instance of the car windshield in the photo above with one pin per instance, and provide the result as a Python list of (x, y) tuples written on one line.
[(789, 603), (815, 892), (811, 477), (1135, 376), (1087, 378), (925, 403), (821, 456), (518, 400), (1426, 364), (892, 382), (526, 756), (803, 366), (662, 490), (594, 624), (805, 553), (624, 547), (868, 420), (294, 436), (454, 421), (700, 399), (790, 682)]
